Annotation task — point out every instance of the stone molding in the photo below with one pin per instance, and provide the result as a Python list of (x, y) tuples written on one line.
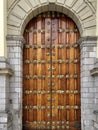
[(80, 11), (6, 71), (5, 68), (94, 71), (15, 40), (89, 41)]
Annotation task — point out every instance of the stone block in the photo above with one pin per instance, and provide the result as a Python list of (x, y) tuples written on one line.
[(83, 5), (88, 101), (18, 55), (61, 2), (12, 17), (87, 84), (19, 12), (84, 90), (96, 100), (11, 55), (96, 95), (84, 54), (89, 23), (92, 54), (96, 125), (91, 31), (52, 1), (83, 10), (89, 128), (12, 30), (88, 123), (2, 95), (14, 62), (77, 4), (87, 95), (44, 1), (23, 4), (69, 2), (92, 90), (88, 61), (34, 3), (3, 107), (85, 74), (86, 15), (14, 23)]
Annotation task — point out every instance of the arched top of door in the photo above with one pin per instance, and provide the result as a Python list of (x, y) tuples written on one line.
[(78, 11)]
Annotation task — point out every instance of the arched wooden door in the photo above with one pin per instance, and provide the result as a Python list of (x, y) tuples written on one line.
[(51, 74)]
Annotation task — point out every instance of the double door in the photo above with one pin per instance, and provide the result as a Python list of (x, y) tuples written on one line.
[(51, 74)]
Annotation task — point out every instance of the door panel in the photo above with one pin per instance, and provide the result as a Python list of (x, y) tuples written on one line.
[(51, 73)]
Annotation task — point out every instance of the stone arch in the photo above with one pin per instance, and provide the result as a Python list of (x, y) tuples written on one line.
[(80, 11)]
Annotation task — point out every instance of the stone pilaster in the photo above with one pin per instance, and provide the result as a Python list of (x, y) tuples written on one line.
[(94, 73), (5, 115), (88, 89), (15, 46)]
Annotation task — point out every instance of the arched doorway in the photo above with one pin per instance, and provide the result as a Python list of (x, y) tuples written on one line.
[(51, 73)]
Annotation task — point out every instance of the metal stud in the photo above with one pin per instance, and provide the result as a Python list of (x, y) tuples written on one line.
[(76, 107), (63, 122), (35, 92), (67, 122), (67, 127), (60, 30), (51, 115), (51, 99), (60, 76), (53, 127), (48, 14), (76, 61), (51, 84), (51, 76), (58, 122), (67, 76), (48, 22), (76, 92), (35, 107), (48, 123), (76, 45), (67, 107), (63, 127), (51, 69), (41, 31), (58, 127), (34, 61), (60, 91), (53, 123), (35, 77), (75, 76)]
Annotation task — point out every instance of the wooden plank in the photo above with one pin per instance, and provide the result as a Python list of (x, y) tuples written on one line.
[(34, 84), (47, 81), (55, 66), (39, 71)]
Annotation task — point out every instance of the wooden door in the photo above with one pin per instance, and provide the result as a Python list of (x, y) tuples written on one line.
[(51, 74)]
